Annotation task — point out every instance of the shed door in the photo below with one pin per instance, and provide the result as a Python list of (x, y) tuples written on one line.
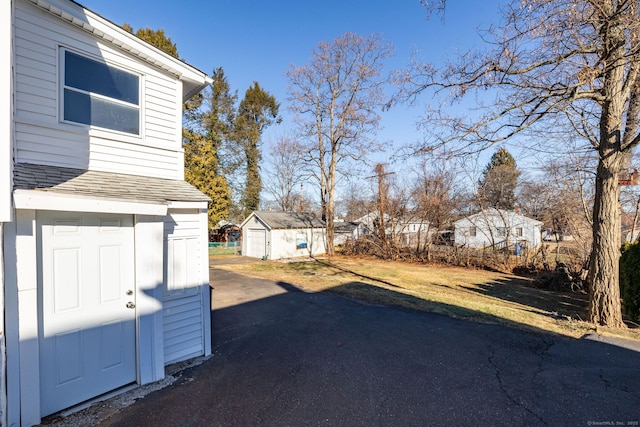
[(87, 331), (257, 243)]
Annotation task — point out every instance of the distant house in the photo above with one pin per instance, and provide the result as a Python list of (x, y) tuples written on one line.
[(278, 235), (345, 230), (406, 231), (497, 227), (226, 233), (103, 261)]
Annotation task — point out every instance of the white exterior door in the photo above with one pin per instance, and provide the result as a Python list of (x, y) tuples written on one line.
[(87, 321), (257, 243)]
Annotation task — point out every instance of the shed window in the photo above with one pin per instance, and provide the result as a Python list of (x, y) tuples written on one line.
[(518, 231), (301, 241), (97, 94), (473, 231)]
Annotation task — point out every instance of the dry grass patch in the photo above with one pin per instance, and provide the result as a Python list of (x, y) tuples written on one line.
[(455, 291)]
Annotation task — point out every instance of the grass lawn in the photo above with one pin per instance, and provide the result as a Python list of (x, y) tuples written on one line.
[(460, 292)]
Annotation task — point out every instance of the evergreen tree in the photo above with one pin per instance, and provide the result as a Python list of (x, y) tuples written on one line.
[(256, 111), (497, 187), (201, 169), (208, 125), (156, 38)]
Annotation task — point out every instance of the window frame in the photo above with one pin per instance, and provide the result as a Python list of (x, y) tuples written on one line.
[(63, 87), (473, 231)]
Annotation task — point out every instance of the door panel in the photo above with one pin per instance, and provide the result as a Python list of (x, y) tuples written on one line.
[(257, 243), (86, 330)]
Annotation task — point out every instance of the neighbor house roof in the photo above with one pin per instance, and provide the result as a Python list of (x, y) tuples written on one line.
[(105, 185), (492, 215), (287, 220), (345, 227)]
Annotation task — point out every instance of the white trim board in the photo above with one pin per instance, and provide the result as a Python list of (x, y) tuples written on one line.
[(42, 200)]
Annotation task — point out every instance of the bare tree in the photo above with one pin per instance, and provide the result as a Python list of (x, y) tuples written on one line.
[(569, 209), (555, 62), (435, 194), (286, 158), (356, 200), (335, 98)]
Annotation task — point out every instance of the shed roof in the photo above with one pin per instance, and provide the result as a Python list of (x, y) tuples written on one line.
[(107, 185), (287, 220)]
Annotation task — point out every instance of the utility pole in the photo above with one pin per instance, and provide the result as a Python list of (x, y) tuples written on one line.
[(381, 174)]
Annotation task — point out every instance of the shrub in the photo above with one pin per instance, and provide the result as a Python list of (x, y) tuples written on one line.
[(630, 280)]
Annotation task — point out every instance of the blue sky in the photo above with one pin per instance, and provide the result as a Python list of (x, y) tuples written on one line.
[(258, 40)]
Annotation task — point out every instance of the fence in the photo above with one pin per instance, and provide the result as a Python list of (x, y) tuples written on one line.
[(224, 248)]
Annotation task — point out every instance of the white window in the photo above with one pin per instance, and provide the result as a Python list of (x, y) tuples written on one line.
[(501, 232), (518, 231), (473, 231), (97, 94)]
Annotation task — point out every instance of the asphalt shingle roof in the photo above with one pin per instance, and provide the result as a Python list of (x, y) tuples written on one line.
[(106, 185), (284, 220)]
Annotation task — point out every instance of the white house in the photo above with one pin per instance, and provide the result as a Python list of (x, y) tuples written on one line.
[(497, 227), (406, 231), (278, 235), (104, 257), (345, 230)]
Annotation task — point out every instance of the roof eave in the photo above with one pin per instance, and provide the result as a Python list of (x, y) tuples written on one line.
[(90, 22)]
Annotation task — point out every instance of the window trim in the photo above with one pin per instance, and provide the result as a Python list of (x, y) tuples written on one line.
[(62, 50)]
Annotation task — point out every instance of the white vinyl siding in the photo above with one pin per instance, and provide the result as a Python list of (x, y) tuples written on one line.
[(182, 329), (284, 242), (182, 313), (497, 227), (41, 138)]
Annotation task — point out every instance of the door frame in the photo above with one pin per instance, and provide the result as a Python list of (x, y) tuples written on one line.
[(125, 239), (22, 310)]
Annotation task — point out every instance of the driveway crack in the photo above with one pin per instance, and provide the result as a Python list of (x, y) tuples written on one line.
[(505, 390)]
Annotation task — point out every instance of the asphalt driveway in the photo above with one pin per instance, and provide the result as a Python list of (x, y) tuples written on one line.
[(285, 357)]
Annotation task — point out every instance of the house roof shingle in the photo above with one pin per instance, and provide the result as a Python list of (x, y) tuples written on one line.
[(492, 214), (108, 185), (287, 220)]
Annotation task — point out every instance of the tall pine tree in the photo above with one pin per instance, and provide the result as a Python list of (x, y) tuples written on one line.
[(208, 125), (497, 187), (207, 120), (256, 111)]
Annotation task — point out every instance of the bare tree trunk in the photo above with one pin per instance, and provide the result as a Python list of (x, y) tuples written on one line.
[(604, 295), (635, 222), (330, 206), (330, 230)]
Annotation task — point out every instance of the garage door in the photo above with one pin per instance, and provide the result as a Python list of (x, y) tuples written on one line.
[(87, 319), (257, 243)]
